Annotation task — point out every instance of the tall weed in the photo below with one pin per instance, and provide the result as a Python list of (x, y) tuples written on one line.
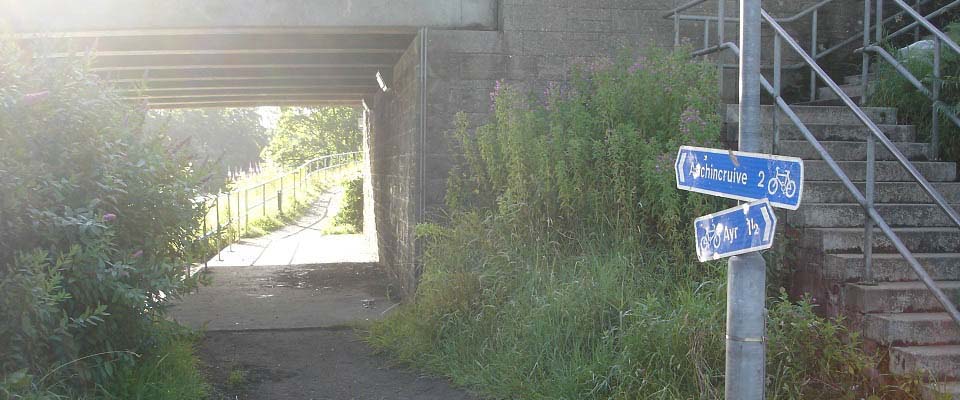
[(566, 270)]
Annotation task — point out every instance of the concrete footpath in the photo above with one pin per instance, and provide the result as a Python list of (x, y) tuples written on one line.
[(285, 312)]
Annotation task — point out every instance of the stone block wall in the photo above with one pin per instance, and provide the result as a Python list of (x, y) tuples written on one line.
[(395, 130), (538, 42)]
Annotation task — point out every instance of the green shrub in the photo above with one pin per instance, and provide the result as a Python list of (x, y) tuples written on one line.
[(96, 219), (893, 90), (303, 134), (350, 217), (566, 268)]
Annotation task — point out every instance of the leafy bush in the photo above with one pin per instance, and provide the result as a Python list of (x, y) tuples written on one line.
[(350, 217), (229, 138), (890, 89), (96, 219), (303, 134), (566, 270)]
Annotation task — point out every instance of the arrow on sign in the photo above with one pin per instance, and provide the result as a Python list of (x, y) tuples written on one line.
[(743, 229)]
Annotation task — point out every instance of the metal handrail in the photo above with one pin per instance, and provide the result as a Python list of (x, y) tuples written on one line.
[(949, 111), (865, 201), (300, 176), (940, 39), (814, 51)]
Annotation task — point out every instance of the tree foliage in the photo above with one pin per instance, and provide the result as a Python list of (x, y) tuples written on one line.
[(96, 220), (227, 138), (307, 133)]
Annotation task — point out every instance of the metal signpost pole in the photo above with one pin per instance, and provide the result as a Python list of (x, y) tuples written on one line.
[(746, 279)]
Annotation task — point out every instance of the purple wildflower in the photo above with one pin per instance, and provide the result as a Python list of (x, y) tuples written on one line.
[(498, 86), (637, 66), (109, 217), (34, 98)]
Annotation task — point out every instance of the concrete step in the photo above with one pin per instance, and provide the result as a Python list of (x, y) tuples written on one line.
[(820, 215), (897, 297), (939, 362), (821, 115), (887, 171), (891, 267), (852, 90), (940, 391), (830, 132), (884, 192), (856, 79), (911, 329), (852, 151), (850, 240)]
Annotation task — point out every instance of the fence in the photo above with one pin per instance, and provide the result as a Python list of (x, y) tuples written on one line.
[(232, 212)]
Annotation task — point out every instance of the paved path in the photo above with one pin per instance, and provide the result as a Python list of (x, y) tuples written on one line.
[(291, 329), (301, 243)]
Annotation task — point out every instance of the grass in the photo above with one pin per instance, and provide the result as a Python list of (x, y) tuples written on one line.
[(237, 378), (259, 220), (171, 371), (565, 268), (349, 218)]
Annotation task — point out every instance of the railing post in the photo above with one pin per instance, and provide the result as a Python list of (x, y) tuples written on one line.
[(246, 209), (676, 30), (216, 202), (916, 31), (813, 54), (878, 27), (721, 21), (231, 221), (937, 84), (263, 197), (777, 63), (206, 240), (865, 66), (868, 222), (280, 202), (747, 273)]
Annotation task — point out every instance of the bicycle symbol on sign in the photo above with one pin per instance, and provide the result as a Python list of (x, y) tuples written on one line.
[(712, 236), (782, 181)]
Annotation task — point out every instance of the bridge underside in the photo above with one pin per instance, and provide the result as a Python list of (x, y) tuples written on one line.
[(238, 53), (237, 67)]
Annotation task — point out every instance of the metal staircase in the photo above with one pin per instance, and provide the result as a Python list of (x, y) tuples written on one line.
[(879, 229)]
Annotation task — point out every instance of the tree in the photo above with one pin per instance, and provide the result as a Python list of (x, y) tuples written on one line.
[(303, 134), (228, 138)]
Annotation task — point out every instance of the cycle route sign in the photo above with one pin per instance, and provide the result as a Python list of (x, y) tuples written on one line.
[(742, 229), (741, 175)]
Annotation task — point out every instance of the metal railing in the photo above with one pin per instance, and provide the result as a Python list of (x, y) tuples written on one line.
[(866, 200), (813, 50), (234, 210), (940, 39)]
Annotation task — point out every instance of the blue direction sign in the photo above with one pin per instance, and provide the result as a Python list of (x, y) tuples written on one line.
[(740, 175), (742, 229)]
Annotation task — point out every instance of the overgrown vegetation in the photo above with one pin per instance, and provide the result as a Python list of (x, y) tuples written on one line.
[(566, 268), (890, 89), (96, 221), (303, 134), (349, 218)]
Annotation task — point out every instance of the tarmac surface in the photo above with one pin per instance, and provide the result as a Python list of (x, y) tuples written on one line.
[(283, 318)]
